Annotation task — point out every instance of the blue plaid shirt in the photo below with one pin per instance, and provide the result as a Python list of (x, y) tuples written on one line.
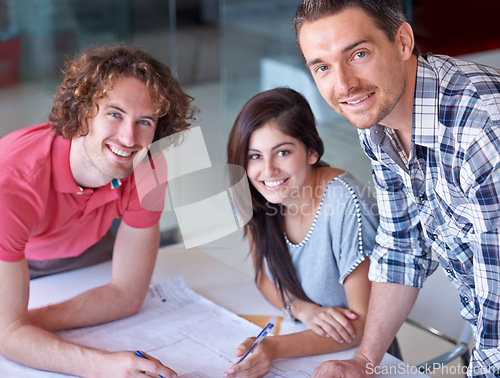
[(445, 196)]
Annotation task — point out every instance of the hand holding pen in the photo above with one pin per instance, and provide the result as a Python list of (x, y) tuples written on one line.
[(234, 369), (171, 374)]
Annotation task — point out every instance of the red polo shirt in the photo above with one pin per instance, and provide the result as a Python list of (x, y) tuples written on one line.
[(43, 213)]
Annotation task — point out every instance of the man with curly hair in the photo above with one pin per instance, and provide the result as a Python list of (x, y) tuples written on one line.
[(63, 183)]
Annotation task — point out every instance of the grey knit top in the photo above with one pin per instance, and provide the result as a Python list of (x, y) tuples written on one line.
[(342, 234)]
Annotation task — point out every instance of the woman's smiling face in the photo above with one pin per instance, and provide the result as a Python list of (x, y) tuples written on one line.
[(278, 164)]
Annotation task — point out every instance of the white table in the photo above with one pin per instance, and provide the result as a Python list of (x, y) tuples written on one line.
[(204, 274)]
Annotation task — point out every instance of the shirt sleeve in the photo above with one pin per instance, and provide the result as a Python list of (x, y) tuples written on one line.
[(20, 207), (480, 181), (401, 254), (138, 216), (486, 353), (358, 227)]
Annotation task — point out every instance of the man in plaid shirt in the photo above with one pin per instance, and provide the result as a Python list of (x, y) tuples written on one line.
[(430, 125)]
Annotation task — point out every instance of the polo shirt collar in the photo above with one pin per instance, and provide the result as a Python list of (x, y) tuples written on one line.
[(62, 177), (61, 171)]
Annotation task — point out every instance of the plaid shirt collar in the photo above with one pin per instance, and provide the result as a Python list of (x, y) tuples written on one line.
[(425, 109), (425, 112)]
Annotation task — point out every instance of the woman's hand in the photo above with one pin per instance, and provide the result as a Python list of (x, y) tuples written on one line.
[(256, 364), (334, 322)]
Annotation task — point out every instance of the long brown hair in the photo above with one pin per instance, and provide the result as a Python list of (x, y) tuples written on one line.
[(89, 76), (291, 112)]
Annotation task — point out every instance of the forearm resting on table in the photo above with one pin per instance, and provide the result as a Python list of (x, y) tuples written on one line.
[(308, 343), (102, 304), (121, 297), (37, 348), (23, 341), (388, 308)]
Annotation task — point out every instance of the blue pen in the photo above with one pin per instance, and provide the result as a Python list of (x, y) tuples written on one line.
[(140, 354), (260, 337)]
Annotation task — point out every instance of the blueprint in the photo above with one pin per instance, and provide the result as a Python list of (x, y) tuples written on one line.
[(187, 332)]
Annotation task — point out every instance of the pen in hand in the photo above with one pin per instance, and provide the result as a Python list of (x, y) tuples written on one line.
[(140, 354), (260, 337)]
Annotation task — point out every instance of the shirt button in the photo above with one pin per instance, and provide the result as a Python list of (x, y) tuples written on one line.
[(448, 270), (466, 299), (79, 192)]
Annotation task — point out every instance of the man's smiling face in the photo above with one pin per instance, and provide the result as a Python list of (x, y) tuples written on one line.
[(124, 124), (357, 69)]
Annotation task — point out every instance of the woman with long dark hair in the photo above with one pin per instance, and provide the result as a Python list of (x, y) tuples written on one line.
[(311, 230)]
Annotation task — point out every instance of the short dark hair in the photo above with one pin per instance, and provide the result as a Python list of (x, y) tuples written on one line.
[(87, 78), (387, 14)]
